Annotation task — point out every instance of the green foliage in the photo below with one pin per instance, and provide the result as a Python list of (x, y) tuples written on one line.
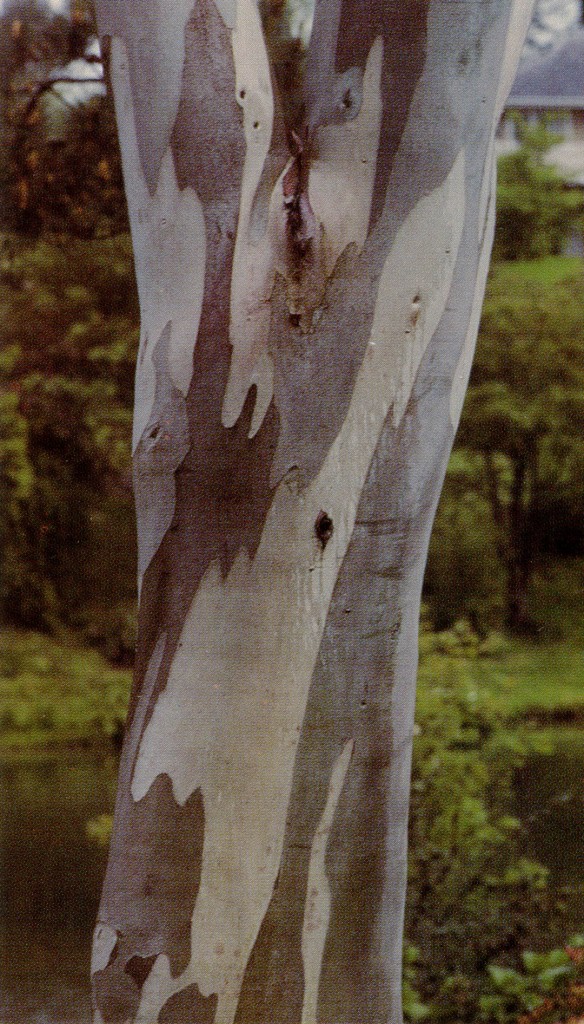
[(515, 485), (527, 382), (68, 336), (55, 692), (474, 897), (414, 1010), (464, 575), (540, 985), (535, 210), (99, 829)]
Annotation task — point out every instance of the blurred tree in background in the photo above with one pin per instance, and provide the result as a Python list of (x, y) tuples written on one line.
[(535, 209), (60, 167), (515, 487), (68, 337)]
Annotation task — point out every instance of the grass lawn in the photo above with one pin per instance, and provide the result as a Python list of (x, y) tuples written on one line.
[(548, 270), (539, 680)]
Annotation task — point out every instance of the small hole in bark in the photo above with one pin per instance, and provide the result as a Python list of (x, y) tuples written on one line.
[(154, 433), (323, 528), (347, 101), (363, 703), (295, 319), (256, 124), (242, 94)]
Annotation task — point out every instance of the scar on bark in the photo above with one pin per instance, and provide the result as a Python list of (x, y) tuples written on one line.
[(304, 264), (301, 223)]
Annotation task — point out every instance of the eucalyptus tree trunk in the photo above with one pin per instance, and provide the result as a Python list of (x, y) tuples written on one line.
[(310, 269)]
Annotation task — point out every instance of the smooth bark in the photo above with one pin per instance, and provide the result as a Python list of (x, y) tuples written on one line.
[(310, 296)]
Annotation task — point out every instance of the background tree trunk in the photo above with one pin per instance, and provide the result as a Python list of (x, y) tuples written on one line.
[(310, 294)]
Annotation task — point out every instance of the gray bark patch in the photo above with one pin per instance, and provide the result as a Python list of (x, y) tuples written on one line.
[(208, 143), (154, 37), (189, 1007), (151, 885), (160, 451), (116, 995)]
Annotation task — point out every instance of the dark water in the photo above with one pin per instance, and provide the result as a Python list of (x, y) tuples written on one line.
[(51, 875), (550, 803), (51, 870)]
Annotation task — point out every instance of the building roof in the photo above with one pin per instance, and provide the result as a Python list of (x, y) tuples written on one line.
[(554, 78)]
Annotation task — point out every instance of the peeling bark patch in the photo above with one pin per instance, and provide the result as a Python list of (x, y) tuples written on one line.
[(207, 142), (342, 37), (116, 995), (154, 38), (104, 947), (319, 207), (318, 897), (139, 967), (253, 262), (189, 1007), (168, 235), (151, 885), (138, 709), (160, 451)]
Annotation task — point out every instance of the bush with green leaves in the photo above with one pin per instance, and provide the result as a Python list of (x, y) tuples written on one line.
[(473, 896), (535, 209), (57, 692), (544, 987), (68, 335)]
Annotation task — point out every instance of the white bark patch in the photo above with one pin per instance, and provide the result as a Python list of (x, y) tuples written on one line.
[(104, 940), (252, 277), (343, 174), (415, 282), (168, 235), (340, 190), (230, 716), (318, 899), (157, 44)]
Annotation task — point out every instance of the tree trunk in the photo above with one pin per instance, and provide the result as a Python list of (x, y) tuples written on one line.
[(310, 295)]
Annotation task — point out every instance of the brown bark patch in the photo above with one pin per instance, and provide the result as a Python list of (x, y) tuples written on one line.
[(139, 967), (150, 891), (189, 1007), (116, 994)]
